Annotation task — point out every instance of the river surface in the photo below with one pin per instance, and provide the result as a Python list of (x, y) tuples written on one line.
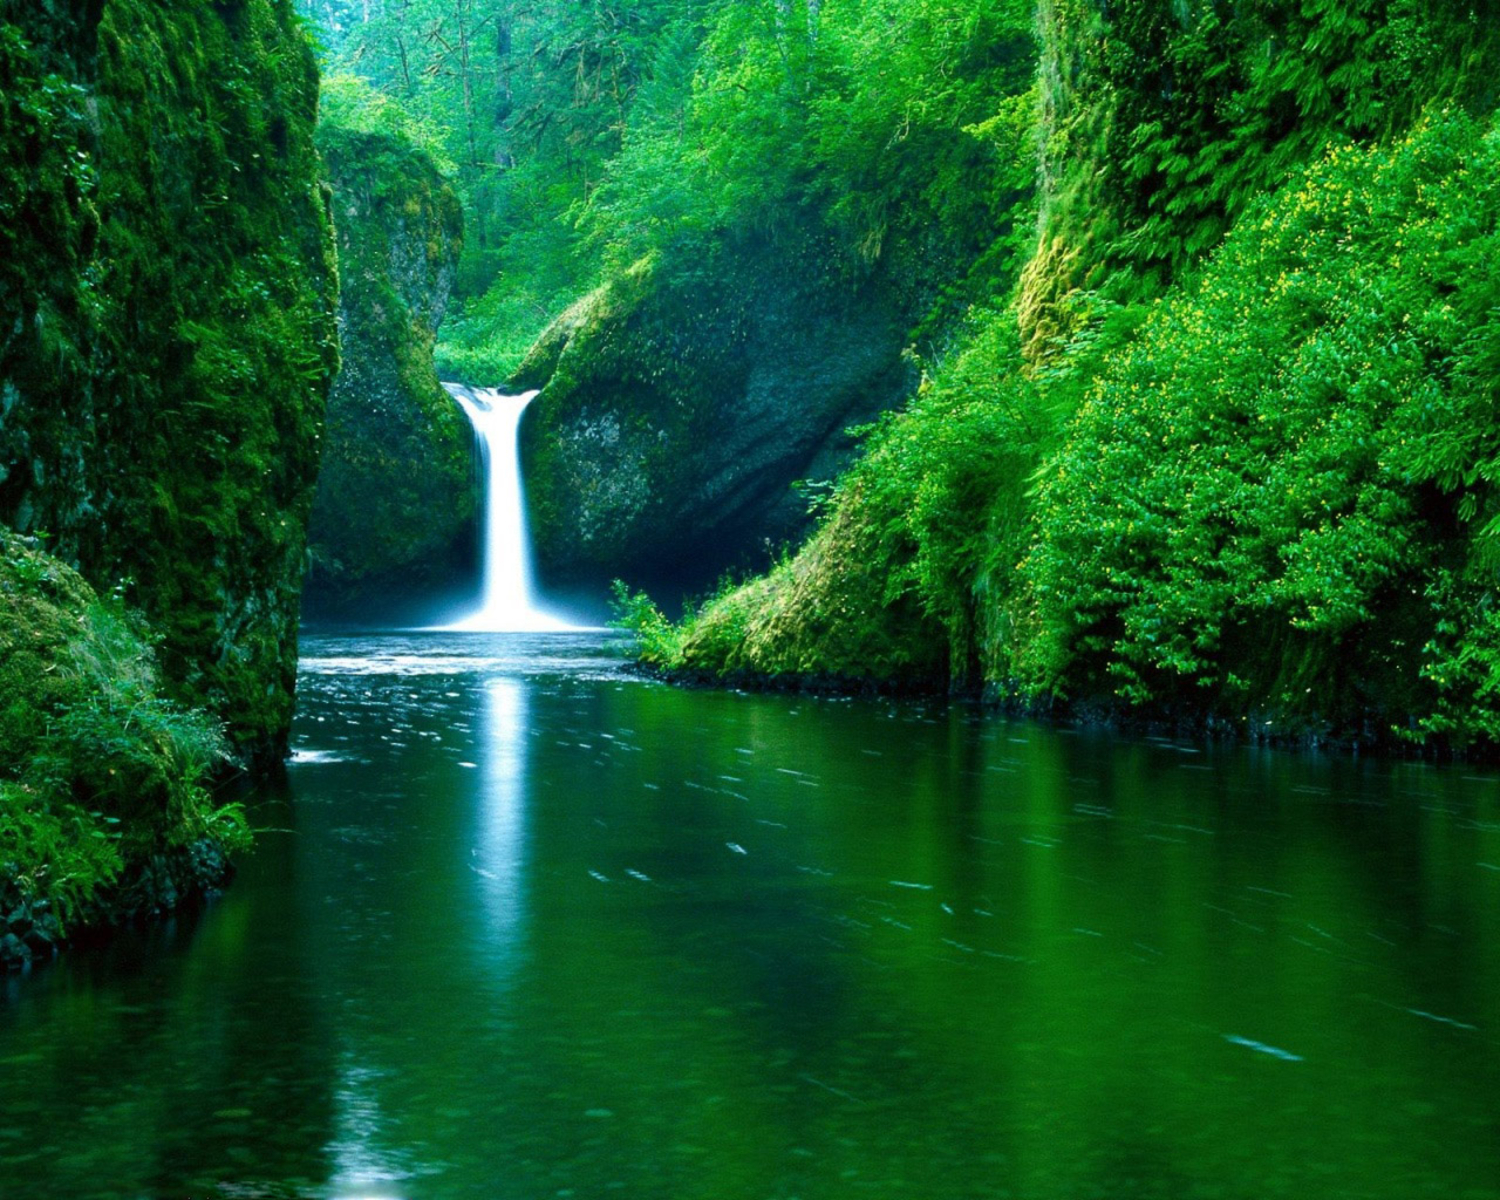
[(523, 926)]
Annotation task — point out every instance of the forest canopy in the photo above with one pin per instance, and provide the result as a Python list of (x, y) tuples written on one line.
[(587, 137)]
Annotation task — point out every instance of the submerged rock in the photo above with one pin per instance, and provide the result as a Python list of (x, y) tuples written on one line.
[(150, 890)]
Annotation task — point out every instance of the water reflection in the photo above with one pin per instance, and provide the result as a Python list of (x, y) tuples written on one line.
[(187, 1059), (544, 929), (500, 850), (363, 1167)]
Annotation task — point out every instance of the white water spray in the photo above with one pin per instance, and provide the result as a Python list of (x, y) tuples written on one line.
[(508, 595)]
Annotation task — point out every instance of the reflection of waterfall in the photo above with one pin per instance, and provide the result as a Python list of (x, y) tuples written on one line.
[(500, 836), (508, 599), (473, 909), (362, 1165)]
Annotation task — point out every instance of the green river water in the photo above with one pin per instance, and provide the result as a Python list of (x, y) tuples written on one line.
[(526, 927)]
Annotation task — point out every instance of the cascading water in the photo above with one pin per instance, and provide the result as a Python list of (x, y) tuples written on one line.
[(508, 596)]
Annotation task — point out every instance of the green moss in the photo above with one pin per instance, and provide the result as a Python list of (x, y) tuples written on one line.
[(169, 286), (680, 404), (1161, 121), (831, 612), (1268, 498), (630, 374)]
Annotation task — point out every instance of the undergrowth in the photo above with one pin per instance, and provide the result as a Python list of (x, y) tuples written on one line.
[(97, 770)]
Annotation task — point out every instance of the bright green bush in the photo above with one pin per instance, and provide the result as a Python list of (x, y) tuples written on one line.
[(1163, 120), (657, 640), (1270, 492), (97, 770), (1259, 493)]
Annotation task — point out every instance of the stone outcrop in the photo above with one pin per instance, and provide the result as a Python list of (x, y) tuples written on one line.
[(393, 517), (676, 415)]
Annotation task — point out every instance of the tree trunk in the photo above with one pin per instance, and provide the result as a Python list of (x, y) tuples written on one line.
[(461, 10)]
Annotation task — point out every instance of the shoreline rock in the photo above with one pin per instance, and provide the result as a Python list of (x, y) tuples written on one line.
[(163, 884)]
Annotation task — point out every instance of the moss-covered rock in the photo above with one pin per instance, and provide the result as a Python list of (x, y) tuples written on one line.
[(678, 409), (1265, 502), (167, 332), (102, 779), (396, 495)]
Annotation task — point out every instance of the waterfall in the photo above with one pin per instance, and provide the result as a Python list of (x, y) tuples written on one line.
[(508, 601)]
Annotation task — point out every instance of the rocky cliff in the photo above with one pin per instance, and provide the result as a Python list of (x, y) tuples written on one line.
[(393, 517), (167, 336), (677, 413)]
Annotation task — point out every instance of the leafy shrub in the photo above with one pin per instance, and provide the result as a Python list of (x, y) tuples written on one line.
[(658, 640), (97, 770), (1257, 493)]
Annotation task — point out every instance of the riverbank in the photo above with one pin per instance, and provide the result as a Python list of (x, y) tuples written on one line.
[(1258, 727), (106, 812), (32, 934)]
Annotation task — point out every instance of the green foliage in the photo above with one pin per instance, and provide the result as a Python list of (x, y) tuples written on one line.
[(350, 103), (56, 852), (97, 769), (1270, 492), (1271, 475), (829, 613), (1163, 121), (892, 136), (844, 118), (168, 292), (1461, 660), (657, 640), (528, 101)]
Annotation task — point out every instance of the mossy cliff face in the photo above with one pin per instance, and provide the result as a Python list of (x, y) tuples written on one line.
[(396, 494), (167, 335), (676, 413), (1244, 479), (1161, 121)]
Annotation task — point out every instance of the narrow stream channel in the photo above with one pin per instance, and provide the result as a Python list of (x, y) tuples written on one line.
[(525, 927)]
